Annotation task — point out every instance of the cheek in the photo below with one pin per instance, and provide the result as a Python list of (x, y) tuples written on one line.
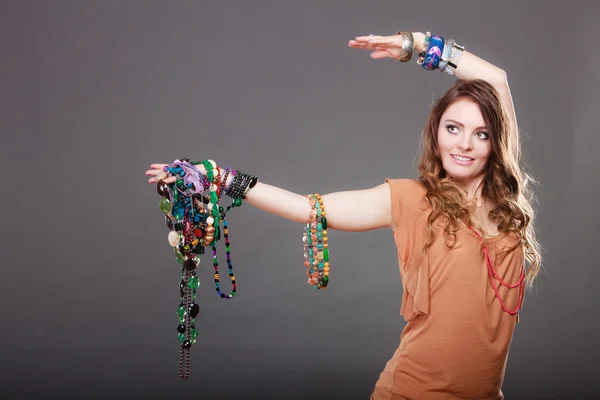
[(444, 142), (484, 151)]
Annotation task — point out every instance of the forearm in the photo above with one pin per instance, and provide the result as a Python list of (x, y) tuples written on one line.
[(274, 200), (339, 206), (280, 202), (471, 66)]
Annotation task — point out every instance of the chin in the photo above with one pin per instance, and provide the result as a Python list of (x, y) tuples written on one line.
[(461, 178), (463, 175)]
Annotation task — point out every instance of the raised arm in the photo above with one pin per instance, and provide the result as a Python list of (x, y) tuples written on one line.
[(341, 207), (470, 67), (473, 67)]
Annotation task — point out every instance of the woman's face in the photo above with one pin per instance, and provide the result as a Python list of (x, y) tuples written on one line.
[(463, 142)]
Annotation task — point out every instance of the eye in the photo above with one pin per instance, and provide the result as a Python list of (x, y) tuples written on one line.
[(452, 128), (482, 135)]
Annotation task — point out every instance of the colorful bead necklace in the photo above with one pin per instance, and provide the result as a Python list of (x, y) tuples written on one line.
[(194, 227), (316, 248)]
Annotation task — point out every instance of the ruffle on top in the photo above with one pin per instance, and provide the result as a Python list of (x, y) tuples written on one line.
[(409, 213)]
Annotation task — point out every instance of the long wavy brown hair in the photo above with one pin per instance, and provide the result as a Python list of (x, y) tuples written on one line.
[(505, 184)]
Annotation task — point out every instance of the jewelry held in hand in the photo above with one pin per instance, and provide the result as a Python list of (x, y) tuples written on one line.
[(194, 219)]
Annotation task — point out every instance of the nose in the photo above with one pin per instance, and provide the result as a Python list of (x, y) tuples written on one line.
[(466, 142)]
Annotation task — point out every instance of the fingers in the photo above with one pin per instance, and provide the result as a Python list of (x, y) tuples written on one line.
[(366, 46), (379, 51), (382, 54), (155, 179), (156, 173), (394, 39), (388, 40), (367, 38), (360, 45)]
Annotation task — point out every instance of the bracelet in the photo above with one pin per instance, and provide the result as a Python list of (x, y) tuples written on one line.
[(316, 248), (240, 185), (224, 176), (426, 46), (446, 55), (253, 182), (434, 53), (408, 46), (455, 57)]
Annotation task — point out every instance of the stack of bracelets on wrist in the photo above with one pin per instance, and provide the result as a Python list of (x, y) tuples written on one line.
[(316, 248), (455, 57), (440, 54), (194, 220), (240, 185)]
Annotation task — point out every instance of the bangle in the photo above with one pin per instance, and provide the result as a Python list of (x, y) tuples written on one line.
[(233, 173), (445, 55), (455, 57), (252, 183), (434, 53), (408, 46), (240, 185)]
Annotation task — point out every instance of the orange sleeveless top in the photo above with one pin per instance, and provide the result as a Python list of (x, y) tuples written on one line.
[(456, 340)]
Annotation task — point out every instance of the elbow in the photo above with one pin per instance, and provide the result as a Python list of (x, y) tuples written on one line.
[(501, 79)]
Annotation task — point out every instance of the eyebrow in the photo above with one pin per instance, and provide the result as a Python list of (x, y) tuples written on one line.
[(462, 126)]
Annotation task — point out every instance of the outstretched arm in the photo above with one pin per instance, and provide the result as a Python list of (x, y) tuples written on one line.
[(341, 207)]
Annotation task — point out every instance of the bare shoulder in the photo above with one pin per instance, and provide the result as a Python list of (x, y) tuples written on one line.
[(404, 187)]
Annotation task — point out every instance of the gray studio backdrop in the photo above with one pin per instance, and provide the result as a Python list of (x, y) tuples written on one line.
[(93, 92)]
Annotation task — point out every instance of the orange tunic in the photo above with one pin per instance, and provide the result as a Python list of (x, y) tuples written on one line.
[(456, 340)]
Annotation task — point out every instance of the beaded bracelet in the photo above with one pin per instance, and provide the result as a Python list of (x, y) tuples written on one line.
[(194, 227), (316, 248), (240, 185)]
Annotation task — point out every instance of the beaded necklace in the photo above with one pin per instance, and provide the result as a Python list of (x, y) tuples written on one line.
[(316, 248), (194, 227), (494, 274)]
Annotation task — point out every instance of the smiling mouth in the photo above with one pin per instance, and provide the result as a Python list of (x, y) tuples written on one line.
[(460, 158)]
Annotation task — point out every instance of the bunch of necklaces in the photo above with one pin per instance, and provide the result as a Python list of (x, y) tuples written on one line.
[(194, 215), (316, 248)]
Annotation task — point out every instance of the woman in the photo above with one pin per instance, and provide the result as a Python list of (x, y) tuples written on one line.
[(463, 230)]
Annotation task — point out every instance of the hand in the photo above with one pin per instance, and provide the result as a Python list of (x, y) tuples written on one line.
[(156, 173), (385, 46)]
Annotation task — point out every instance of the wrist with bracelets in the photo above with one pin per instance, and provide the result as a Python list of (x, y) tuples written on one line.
[(440, 54), (240, 185)]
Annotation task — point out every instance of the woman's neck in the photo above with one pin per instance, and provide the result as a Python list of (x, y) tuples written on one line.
[(474, 189)]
